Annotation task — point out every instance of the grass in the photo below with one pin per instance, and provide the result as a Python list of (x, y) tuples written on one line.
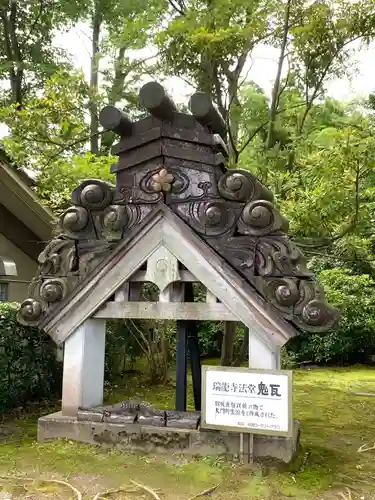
[(334, 424)]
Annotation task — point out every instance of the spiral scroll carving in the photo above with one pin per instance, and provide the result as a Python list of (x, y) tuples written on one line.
[(315, 313), (53, 290), (317, 316), (93, 194), (211, 218), (260, 218), (181, 183), (74, 220), (308, 290), (115, 217), (240, 185), (30, 312), (270, 256), (283, 293)]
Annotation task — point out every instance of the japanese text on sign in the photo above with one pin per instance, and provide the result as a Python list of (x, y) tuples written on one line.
[(247, 400)]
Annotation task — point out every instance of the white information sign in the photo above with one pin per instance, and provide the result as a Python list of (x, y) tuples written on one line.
[(246, 400)]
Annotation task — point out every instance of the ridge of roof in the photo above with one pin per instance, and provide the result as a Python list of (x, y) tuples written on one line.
[(20, 171)]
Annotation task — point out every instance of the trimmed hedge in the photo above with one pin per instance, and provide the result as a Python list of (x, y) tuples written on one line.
[(354, 339), (29, 370)]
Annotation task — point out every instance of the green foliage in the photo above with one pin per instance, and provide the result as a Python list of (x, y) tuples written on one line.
[(126, 26), (50, 124), (49, 135), (151, 341), (121, 351), (28, 366), (210, 337), (319, 163), (354, 339), (303, 172), (58, 179), (27, 54), (209, 43)]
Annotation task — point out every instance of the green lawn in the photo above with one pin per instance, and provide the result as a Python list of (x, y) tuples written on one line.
[(334, 424)]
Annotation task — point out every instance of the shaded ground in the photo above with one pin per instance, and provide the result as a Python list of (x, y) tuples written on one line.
[(334, 423)]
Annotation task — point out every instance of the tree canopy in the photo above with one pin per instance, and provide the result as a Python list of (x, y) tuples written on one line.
[(315, 153)]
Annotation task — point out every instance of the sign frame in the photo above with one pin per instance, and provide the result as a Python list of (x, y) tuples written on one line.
[(240, 429)]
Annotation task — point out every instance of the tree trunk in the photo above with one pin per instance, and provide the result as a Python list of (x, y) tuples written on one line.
[(114, 95), (119, 77), (227, 344), (94, 81), (244, 348), (13, 52), (276, 86), (233, 123), (233, 78)]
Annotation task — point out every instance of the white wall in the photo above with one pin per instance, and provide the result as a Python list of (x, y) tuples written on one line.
[(26, 269)]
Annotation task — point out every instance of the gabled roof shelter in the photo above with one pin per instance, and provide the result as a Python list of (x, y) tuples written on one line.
[(176, 215)]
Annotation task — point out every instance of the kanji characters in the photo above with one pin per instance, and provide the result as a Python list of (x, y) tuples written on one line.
[(262, 389), (221, 387), (275, 390)]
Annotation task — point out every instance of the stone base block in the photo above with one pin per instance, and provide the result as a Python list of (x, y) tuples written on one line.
[(151, 439)]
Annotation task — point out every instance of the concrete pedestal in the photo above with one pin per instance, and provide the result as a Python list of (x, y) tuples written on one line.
[(151, 439)]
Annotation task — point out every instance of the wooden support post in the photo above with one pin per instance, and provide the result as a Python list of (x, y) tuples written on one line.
[(261, 355), (122, 294), (241, 448), (83, 373), (135, 291), (251, 449)]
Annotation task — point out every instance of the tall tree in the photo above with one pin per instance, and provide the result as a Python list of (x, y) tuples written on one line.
[(327, 216), (210, 42), (27, 56), (118, 28)]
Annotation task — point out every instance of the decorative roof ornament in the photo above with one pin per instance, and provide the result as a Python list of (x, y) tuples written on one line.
[(179, 160), (162, 181)]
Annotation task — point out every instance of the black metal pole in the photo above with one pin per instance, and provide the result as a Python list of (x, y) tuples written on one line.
[(194, 352), (187, 337), (181, 365), (195, 362)]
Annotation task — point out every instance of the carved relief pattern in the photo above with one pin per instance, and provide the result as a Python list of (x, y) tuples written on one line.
[(58, 257), (30, 312), (212, 218), (240, 185), (230, 209), (93, 194), (162, 181), (260, 218), (85, 235)]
